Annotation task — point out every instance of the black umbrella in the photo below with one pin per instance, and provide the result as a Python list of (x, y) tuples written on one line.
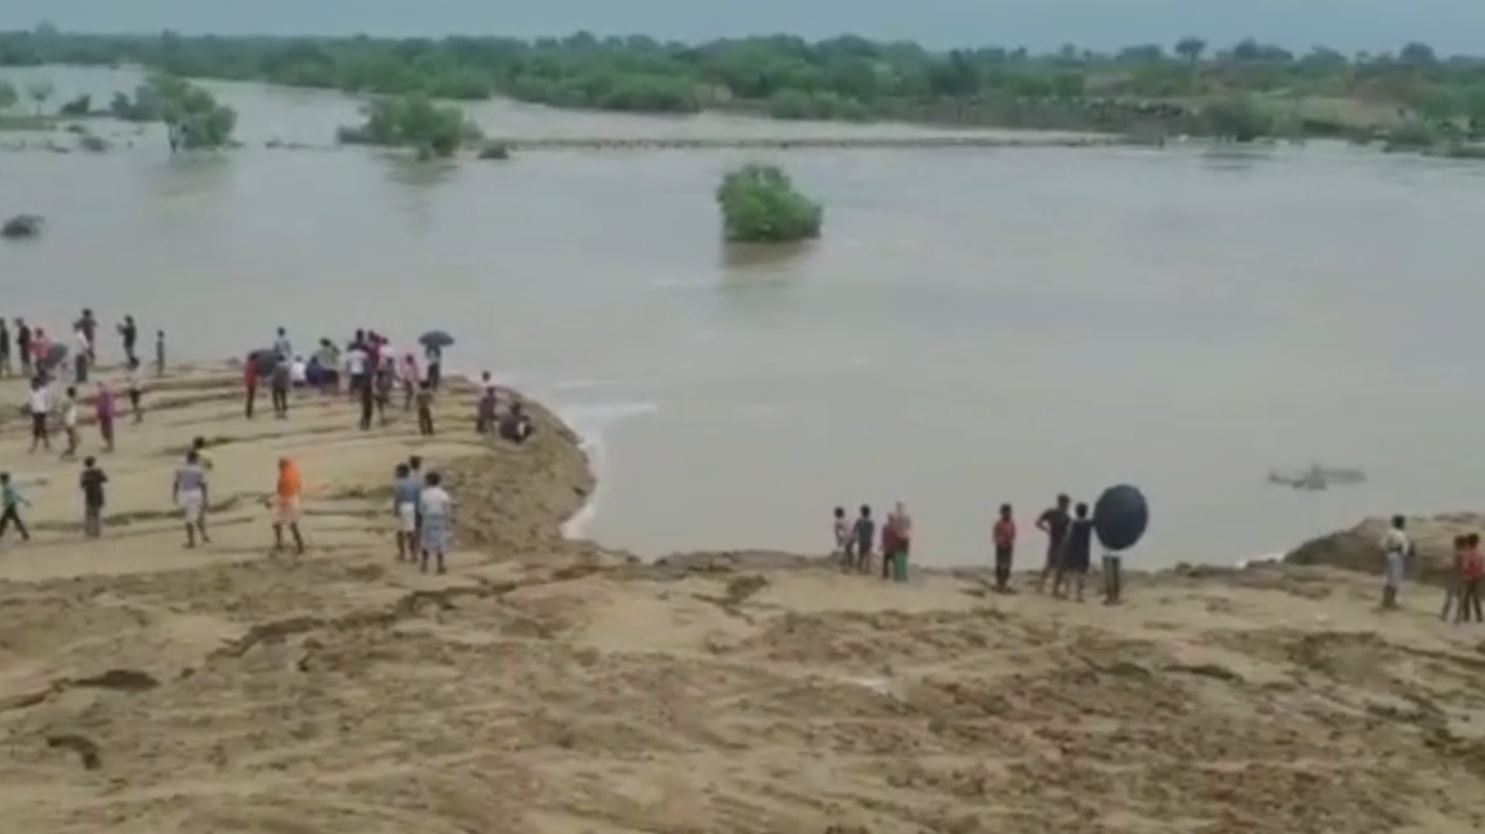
[(1120, 517), (54, 355), (266, 360), (436, 339)]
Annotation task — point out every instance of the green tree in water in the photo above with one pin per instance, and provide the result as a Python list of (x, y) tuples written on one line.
[(39, 91), (759, 205), (8, 97), (413, 121), (1237, 119), (192, 117)]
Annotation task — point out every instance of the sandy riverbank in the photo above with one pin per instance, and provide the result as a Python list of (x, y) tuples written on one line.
[(557, 687)]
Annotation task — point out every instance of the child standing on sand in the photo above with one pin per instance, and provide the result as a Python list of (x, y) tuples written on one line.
[(91, 482), (1472, 572), (39, 405), (1454, 582), (405, 494), (1004, 536), (159, 353), (12, 500), (287, 508), (1077, 546), (69, 424)]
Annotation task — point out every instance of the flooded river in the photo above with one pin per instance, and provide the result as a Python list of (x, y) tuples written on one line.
[(975, 326)]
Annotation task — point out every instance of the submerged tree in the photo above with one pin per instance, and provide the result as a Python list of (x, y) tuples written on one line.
[(8, 97), (192, 117), (759, 205), (413, 121), (40, 91), (1237, 119)]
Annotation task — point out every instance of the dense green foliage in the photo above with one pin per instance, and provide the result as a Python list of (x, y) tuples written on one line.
[(194, 119), (8, 96), (80, 106), (759, 205), (1197, 87), (412, 121)]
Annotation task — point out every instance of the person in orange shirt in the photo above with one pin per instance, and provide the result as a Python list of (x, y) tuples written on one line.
[(286, 508)]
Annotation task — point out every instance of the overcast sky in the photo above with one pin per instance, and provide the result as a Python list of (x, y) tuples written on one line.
[(1451, 26)]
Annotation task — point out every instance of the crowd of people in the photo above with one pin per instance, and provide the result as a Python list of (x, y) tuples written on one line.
[(1069, 531), (369, 370)]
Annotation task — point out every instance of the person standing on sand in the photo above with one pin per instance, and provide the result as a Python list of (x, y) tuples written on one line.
[(866, 531), (901, 525), (5, 366), (409, 374), (1454, 583), (40, 346), (287, 509), (425, 410), (1472, 572), (129, 335), (385, 382), (1395, 551), (69, 424), (91, 481), (23, 346), (415, 471), (106, 409), (1004, 536), (280, 378), (159, 353), (405, 494), (82, 359), (484, 413), (842, 533), (12, 500), (88, 326), (438, 520), (434, 355), (1053, 522), (1077, 554), (282, 346), (136, 391), (250, 385), (38, 402), (190, 494)]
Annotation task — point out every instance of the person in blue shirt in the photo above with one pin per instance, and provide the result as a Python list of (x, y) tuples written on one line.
[(12, 499)]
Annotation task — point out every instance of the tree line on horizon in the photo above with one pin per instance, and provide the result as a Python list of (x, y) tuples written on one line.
[(846, 77)]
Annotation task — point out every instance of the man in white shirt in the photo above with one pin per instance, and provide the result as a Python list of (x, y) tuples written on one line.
[(1395, 549), (40, 405)]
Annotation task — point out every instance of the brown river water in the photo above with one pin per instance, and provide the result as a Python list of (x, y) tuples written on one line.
[(975, 326)]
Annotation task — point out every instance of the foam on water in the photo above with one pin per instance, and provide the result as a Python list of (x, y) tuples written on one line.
[(592, 422)]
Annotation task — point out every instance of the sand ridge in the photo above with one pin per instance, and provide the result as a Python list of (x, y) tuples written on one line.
[(560, 687)]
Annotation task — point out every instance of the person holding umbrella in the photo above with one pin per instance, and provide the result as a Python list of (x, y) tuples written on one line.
[(434, 341)]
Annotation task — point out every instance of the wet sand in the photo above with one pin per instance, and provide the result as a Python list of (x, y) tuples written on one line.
[(561, 687)]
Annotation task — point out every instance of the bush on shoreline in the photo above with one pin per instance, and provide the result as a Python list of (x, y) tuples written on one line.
[(759, 205)]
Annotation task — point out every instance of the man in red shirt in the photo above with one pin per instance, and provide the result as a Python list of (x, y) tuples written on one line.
[(1472, 572), (1004, 535)]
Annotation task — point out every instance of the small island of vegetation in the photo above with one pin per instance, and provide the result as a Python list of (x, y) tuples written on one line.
[(760, 205), (413, 121), (193, 118)]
